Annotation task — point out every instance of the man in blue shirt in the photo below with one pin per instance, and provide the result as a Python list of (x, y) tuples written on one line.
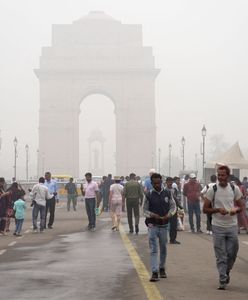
[(51, 184), (148, 184)]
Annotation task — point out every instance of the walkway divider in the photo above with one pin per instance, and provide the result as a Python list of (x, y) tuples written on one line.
[(151, 290)]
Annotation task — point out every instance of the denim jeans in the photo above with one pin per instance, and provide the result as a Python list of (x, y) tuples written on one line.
[(90, 204), (36, 210), (226, 246), (157, 234), (194, 207), (19, 223), (71, 198)]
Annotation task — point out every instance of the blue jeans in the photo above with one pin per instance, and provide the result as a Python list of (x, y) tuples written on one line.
[(157, 233), (90, 204), (19, 223), (36, 210), (194, 207), (226, 246)]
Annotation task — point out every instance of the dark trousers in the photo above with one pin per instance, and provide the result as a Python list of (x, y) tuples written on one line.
[(2, 223), (50, 207), (194, 207), (173, 228), (132, 207), (209, 222), (90, 204)]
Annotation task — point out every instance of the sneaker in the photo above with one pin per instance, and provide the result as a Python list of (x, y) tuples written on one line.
[(222, 286), (162, 273), (113, 227), (18, 234), (175, 242), (14, 233), (93, 229), (50, 226), (192, 230), (154, 277), (199, 231), (35, 230), (210, 232), (137, 229)]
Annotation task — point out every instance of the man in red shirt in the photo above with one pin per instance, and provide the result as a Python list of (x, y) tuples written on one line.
[(192, 191)]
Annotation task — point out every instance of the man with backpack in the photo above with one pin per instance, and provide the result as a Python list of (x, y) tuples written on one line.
[(223, 201)]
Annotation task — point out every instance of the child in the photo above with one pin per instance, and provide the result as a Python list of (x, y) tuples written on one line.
[(19, 208)]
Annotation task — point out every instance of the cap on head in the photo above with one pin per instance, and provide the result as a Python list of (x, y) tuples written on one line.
[(152, 171), (192, 176)]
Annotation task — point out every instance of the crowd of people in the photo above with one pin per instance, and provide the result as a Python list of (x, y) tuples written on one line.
[(163, 203)]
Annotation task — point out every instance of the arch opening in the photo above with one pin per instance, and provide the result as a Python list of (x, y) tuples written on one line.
[(97, 135)]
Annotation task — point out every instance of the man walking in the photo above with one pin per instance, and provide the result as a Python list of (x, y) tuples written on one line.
[(39, 196), (72, 194), (134, 197), (223, 201), (173, 219), (192, 191), (159, 207), (51, 184), (91, 192)]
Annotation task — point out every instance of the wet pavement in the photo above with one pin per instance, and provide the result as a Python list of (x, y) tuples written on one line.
[(70, 262)]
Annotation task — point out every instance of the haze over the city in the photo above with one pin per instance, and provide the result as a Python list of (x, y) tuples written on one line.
[(200, 46)]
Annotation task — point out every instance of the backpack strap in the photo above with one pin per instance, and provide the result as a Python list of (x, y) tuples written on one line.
[(215, 190)]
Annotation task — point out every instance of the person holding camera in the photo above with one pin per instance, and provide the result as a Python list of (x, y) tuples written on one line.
[(39, 196), (51, 184)]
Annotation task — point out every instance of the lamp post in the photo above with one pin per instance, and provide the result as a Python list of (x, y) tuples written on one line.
[(15, 153), (38, 163), (43, 163), (204, 133), (159, 159), (153, 158), (170, 147), (27, 160), (183, 145)]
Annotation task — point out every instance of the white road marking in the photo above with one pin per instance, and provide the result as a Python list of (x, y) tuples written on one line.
[(27, 231), (246, 243), (2, 251), (12, 243)]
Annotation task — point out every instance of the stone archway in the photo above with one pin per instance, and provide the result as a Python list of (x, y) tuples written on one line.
[(97, 54)]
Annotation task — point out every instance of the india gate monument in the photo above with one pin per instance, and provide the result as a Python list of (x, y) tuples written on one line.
[(97, 55)]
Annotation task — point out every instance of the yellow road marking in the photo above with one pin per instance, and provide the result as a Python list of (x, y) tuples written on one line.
[(152, 292)]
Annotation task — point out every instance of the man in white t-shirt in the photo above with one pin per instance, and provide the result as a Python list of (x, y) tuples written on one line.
[(223, 201)]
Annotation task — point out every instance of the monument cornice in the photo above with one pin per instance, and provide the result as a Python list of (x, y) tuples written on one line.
[(116, 73)]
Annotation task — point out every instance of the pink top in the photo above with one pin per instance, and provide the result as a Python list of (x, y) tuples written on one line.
[(90, 189)]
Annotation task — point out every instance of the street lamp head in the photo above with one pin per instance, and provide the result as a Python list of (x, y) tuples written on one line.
[(183, 141), (15, 141), (204, 131), (170, 146)]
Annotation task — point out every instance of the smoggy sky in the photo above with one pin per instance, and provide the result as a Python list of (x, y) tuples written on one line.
[(201, 48)]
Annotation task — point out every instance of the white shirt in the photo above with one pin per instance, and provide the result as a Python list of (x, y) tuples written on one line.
[(40, 194), (224, 197)]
